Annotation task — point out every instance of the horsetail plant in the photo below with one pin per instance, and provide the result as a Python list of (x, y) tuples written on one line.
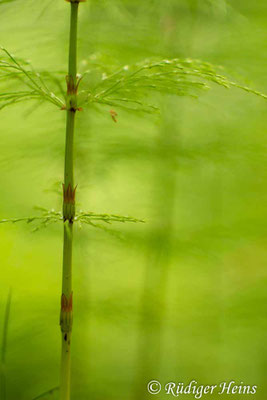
[(123, 87), (68, 207)]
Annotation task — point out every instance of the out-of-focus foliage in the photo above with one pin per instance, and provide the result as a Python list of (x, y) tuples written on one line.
[(6, 1)]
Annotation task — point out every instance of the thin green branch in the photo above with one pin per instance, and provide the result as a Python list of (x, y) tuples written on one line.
[(90, 218), (47, 393), (31, 79), (182, 77), (108, 218)]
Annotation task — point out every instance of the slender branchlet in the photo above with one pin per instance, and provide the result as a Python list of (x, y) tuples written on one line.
[(69, 205)]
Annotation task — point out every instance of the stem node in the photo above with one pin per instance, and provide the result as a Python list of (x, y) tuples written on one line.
[(69, 203), (66, 315)]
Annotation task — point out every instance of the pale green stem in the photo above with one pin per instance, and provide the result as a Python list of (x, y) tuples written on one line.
[(66, 325), (69, 179), (70, 113), (4, 347), (68, 210)]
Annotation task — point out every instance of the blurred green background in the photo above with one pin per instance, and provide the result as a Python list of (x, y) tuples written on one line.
[(182, 296)]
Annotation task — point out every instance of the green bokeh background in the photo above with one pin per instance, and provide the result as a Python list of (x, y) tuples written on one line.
[(182, 296)]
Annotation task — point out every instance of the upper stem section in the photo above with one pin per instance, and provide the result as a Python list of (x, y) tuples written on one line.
[(71, 107), (73, 42)]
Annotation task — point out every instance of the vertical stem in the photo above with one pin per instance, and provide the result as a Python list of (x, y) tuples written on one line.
[(71, 96), (68, 208), (66, 312), (68, 175), (4, 346), (73, 40)]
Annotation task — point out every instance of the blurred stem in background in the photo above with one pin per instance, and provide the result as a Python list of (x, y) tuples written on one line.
[(156, 274), (68, 207), (4, 347)]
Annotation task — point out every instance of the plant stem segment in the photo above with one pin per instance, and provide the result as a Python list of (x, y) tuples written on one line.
[(66, 312), (68, 207), (3, 350)]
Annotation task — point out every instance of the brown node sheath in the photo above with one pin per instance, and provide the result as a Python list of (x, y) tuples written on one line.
[(66, 304), (72, 88), (69, 194)]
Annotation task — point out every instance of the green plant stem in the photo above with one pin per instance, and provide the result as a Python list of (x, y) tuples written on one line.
[(73, 40), (68, 210), (69, 179), (4, 346), (72, 98), (66, 326)]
